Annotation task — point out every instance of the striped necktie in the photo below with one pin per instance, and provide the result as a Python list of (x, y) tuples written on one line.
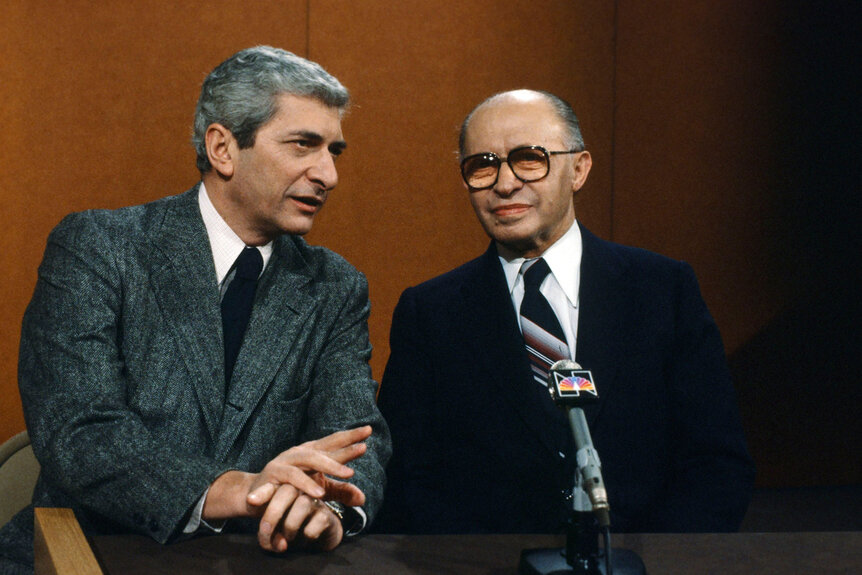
[(543, 334)]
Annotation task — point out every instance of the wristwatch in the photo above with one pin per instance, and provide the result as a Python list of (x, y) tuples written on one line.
[(350, 519)]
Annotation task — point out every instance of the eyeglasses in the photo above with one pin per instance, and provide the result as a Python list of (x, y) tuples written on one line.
[(528, 164)]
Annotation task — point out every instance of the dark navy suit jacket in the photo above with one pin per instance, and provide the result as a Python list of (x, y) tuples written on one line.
[(479, 447)]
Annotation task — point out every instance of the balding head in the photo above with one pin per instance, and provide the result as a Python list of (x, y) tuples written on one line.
[(561, 108)]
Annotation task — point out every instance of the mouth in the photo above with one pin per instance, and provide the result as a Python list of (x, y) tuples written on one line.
[(510, 210), (308, 204)]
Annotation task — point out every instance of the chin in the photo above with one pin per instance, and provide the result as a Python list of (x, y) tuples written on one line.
[(515, 240), (518, 246), (296, 228)]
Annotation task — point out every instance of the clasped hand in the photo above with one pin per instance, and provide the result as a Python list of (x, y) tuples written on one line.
[(287, 494)]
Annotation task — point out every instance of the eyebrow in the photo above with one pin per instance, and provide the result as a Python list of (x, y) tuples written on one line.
[(336, 147)]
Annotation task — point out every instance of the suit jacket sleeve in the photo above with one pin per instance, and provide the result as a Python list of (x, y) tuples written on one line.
[(408, 410), (713, 474), (95, 452), (343, 392)]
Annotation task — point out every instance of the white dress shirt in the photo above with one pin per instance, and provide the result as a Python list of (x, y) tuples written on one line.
[(226, 245), (560, 287)]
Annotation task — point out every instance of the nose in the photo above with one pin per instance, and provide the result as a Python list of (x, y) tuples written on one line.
[(507, 183), (323, 171)]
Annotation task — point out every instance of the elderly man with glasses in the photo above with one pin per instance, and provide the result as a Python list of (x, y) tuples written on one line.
[(479, 445)]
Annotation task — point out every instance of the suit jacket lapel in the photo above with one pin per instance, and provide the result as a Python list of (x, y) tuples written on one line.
[(183, 279), (602, 310), (281, 302), (498, 347)]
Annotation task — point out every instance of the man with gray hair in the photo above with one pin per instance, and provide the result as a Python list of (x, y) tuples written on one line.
[(192, 365)]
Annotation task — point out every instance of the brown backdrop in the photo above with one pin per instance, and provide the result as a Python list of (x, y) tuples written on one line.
[(697, 115)]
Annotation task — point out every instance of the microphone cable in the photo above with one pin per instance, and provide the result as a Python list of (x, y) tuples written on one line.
[(606, 537)]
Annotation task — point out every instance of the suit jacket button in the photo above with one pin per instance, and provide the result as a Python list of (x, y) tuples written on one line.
[(154, 525)]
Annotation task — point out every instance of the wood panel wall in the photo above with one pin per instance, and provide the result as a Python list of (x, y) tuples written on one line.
[(687, 107)]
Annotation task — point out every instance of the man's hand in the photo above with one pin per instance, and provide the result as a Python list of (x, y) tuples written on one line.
[(308, 523), (285, 493)]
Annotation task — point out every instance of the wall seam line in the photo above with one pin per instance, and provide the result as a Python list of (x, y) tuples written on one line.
[(308, 29), (615, 43)]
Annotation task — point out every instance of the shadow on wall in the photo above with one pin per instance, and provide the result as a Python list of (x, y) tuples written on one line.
[(798, 385)]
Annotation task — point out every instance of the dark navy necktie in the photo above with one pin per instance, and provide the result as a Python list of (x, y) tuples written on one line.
[(236, 305), (543, 334)]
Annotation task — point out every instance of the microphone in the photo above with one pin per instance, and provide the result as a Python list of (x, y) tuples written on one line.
[(572, 387)]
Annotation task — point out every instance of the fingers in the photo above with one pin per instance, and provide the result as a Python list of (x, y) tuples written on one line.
[(307, 522), (310, 523), (341, 439), (326, 455), (323, 531), (344, 492), (269, 534), (302, 511), (276, 474), (349, 453), (308, 458)]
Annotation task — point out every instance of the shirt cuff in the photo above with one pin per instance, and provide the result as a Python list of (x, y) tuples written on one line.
[(360, 526), (197, 523), (353, 519)]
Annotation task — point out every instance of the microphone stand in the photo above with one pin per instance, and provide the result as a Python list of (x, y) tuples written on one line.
[(582, 533), (589, 511), (581, 554)]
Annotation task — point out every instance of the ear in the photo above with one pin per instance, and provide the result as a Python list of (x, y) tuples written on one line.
[(583, 163), (221, 149)]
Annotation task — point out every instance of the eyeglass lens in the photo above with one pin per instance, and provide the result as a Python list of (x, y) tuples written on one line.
[(528, 164)]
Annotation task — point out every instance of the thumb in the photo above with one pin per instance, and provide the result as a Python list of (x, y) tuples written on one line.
[(261, 495), (345, 493)]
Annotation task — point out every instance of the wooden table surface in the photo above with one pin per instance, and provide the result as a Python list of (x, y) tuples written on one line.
[(726, 554)]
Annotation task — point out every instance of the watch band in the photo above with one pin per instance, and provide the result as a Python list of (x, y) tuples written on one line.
[(351, 521)]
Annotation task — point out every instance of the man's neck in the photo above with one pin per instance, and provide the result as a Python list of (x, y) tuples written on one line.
[(219, 195)]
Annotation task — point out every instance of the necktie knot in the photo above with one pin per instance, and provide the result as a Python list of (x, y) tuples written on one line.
[(536, 274), (249, 263)]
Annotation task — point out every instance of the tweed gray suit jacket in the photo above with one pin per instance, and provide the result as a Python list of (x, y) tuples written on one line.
[(121, 367)]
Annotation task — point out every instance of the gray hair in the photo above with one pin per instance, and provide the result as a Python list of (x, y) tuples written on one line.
[(573, 138), (241, 93)]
